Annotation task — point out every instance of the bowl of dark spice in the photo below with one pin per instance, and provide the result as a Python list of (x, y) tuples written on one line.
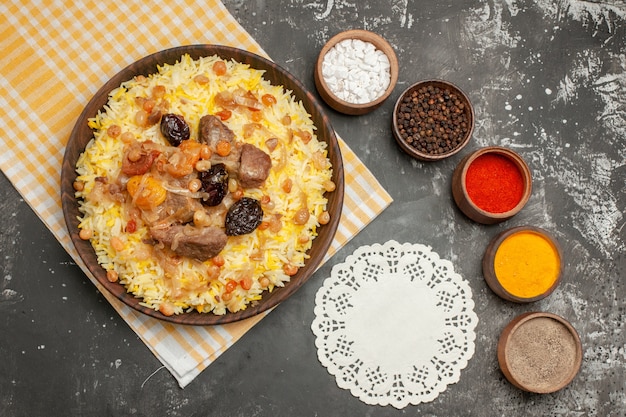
[(356, 71), (492, 184), (522, 264), (433, 120), (539, 352)]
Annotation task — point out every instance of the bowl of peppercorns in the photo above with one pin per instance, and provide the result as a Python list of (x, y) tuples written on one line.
[(433, 120)]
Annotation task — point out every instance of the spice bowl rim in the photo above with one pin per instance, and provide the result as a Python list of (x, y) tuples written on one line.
[(339, 104), (465, 203), (510, 329), (488, 267), (410, 149)]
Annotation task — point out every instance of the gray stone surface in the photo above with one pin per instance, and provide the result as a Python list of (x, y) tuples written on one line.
[(547, 78)]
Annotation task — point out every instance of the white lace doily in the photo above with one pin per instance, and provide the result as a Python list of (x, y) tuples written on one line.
[(394, 324)]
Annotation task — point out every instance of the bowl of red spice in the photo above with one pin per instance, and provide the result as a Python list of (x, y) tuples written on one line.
[(492, 184), (539, 352), (522, 264), (433, 120)]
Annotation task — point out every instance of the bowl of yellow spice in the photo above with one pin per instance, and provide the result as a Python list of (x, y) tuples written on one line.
[(522, 264)]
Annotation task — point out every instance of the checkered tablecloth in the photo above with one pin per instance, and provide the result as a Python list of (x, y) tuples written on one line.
[(55, 56)]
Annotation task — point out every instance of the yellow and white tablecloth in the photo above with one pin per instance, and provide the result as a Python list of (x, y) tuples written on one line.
[(55, 56)]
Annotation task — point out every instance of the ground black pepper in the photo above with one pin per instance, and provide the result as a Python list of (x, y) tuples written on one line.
[(433, 120)]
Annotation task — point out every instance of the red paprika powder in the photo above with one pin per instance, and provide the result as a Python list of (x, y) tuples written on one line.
[(494, 183)]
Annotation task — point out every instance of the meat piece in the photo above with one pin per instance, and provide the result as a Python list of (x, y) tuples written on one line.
[(201, 243), (175, 209), (211, 130), (254, 166), (138, 158)]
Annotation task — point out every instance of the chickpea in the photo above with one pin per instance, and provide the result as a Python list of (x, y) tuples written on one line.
[(114, 131), (201, 218), (324, 218), (85, 234), (219, 68), (264, 282), (194, 185), (112, 276), (141, 118), (290, 269), (148, 105), (158, 91), (117, 243), (205, 152), (127, 137), (201, 79), (232, 185), (78, 185), (213, 272), (218, 260), (203, 165), (275, 224), (134, 155), (167, 309), (329, 186)]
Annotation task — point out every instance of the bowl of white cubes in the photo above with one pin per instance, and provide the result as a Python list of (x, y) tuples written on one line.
[(356, 71)]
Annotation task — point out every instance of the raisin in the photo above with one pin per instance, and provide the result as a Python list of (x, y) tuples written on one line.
[(215, 184), (174, 128), (243, 217)]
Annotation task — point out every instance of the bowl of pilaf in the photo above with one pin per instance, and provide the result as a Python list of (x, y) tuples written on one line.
[(202, 185)]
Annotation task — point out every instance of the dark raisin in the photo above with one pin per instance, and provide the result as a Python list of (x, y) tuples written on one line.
[(243, 217), (215, 184), (174, 128)]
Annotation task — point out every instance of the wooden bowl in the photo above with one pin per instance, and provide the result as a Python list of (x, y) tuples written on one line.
[(416, 134), (528, 271), (539, 352), (82, 134), (462, 197), (338, 103)]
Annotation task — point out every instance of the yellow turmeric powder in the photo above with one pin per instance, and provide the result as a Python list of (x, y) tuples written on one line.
[(527, 264)]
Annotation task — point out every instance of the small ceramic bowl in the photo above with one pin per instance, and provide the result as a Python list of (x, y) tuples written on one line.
[(539, 352), (493, 180), (429, 137), (523, 264), (332, 98)]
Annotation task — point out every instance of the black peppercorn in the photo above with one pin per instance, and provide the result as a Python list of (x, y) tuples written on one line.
[(433, 120)]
